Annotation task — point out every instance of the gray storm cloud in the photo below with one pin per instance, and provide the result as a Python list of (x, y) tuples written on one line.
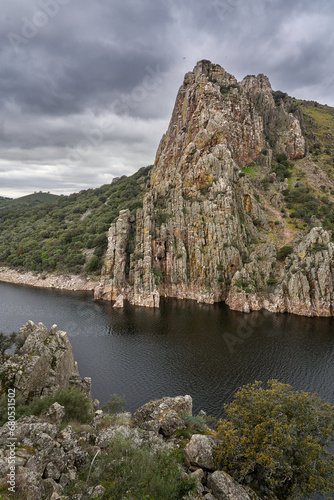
[(90, 86)]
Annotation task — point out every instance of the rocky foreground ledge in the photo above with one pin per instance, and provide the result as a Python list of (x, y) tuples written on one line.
[(49, 457)]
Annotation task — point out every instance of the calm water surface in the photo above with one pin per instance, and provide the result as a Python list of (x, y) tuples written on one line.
[(182, 348)]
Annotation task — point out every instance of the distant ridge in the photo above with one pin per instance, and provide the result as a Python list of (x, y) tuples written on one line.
[(28, 200)]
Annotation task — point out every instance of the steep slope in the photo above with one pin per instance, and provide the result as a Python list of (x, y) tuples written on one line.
[(67, 236), (215, 217)]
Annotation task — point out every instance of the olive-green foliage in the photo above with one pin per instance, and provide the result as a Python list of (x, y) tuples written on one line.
[(283, 252), (30, 200), (93, 264), (195, 424), (129, 473), (282, 167), (53, 236), (275, 439), (304, 204), (76, 403), (116, 404)]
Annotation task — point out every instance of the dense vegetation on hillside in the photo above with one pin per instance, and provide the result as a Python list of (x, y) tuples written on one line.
[(308, 199), (27, 201), (68, 235)]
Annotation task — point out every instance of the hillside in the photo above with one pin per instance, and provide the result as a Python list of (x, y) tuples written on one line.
[(4, 201), (240, 206), (27, 201), (68, 235)]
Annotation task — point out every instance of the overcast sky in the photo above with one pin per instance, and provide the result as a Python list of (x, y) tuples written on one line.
[(87, 87)]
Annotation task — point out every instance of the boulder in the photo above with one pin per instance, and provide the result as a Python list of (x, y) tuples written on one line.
[(119, 304), (54, 414), (199, 451), (224, 487), (163, 415)]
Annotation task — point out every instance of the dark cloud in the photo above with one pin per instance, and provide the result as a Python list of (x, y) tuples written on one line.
[(89, 86)]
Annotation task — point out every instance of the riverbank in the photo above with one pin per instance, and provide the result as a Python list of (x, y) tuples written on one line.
[(47, 280)]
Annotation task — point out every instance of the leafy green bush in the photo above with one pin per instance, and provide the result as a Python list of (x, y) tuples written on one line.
[(284, 252), (195, 424), (318, 247), (128, 473), (93, 264), (116, 404), (305, 204), (275, 440), (76, 403), (283, 167), (6, 342)]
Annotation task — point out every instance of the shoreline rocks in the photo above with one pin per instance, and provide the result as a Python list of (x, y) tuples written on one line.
[(46, 280)]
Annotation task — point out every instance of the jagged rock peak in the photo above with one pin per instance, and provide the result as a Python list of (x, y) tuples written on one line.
[(212, 72), (208, 232)]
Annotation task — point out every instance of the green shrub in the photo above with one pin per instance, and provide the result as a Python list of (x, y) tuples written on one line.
[(238, 283), (318, 247), (93, 264), (284, 252), (116, 404), (76, 403), (128, 473), (195, 424), (271, 281), (275, 440), (6, 342), (282, 158)]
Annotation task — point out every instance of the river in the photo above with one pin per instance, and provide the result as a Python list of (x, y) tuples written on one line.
[(207, 351)]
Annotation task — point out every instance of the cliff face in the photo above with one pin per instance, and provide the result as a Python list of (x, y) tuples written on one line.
[(209, 232), (43, 365)]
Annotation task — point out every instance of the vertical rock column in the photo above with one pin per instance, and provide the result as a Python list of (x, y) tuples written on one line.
[(113, 275), (145, 292)]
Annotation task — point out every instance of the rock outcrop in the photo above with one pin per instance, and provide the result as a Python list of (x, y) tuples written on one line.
[(204, 231), (43, 364)]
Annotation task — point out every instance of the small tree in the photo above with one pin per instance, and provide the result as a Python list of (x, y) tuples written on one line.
[(275, 439), (116, 404), (6, 342)]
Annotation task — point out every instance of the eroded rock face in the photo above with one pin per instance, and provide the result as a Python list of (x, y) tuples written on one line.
[(304, 285), (203, 232), (43, 365)]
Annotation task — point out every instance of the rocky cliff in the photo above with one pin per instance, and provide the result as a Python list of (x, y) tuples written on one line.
[(214, 225), (42, 365)]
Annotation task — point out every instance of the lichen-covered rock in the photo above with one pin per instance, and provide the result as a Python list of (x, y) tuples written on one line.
[(54, 414), (200, 451), (225, 488), (44, 455), (163, 415), (43, 365)]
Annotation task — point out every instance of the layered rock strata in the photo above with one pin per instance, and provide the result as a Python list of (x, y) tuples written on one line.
[(202, 232)]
